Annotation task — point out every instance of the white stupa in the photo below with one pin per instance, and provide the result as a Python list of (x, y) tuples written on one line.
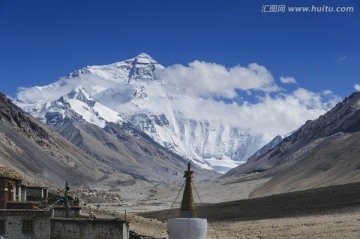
[(187, 226)]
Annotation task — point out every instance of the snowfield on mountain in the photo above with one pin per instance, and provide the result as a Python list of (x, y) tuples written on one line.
[(141, 92)]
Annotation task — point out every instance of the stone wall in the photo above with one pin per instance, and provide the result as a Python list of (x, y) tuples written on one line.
[(60, 211), (25, 224), (88, 229)]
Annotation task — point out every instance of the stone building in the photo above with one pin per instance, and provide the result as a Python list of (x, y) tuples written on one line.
[(11, 189), (36, 193), (25, 224), (85, 228), (20, 217)]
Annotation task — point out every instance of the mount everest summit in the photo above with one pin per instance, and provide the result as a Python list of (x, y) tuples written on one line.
[(137, 92)]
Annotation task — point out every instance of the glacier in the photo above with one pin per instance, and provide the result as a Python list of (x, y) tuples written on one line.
[(135, 91)]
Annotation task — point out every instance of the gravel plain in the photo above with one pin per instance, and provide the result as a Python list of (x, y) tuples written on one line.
[(332, 212)]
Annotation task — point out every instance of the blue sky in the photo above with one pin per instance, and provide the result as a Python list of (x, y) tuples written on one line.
[(41, 41)]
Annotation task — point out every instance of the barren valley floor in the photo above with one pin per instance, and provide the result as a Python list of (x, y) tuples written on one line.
[(331, 212)]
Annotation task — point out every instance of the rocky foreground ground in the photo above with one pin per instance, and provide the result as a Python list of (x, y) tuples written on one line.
[(332, 226)]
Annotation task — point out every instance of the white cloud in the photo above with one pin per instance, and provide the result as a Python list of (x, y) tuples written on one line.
[(210, 79), (272, 115), (288, 80), (308, 98), (327, 92), (280, 114), (341, 60), (275, 113), (357, 87)]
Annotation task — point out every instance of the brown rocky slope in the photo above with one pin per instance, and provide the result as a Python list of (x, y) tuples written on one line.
[(94, 159), (322, 152)]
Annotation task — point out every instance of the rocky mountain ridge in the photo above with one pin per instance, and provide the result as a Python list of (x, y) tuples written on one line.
[(93, 157), (322, 152), (40, 154)]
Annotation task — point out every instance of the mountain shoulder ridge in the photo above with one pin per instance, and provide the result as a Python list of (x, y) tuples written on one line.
[(322, 152)]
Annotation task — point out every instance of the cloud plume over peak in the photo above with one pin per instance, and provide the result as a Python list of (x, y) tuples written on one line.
[(204, 79)]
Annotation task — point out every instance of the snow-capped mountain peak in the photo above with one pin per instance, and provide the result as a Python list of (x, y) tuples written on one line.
[(139, 68), (144, 58), (133, 91), (143, 68)]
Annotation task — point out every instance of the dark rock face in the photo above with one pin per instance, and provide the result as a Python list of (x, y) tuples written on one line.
[(329, 134), (20, 120), (38, 153), (344, 117)]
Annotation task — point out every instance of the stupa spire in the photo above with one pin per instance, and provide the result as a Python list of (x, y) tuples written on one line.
[(187, 226), (187, 209)]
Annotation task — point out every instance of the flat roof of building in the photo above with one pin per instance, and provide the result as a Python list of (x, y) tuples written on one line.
[(88, 220)]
